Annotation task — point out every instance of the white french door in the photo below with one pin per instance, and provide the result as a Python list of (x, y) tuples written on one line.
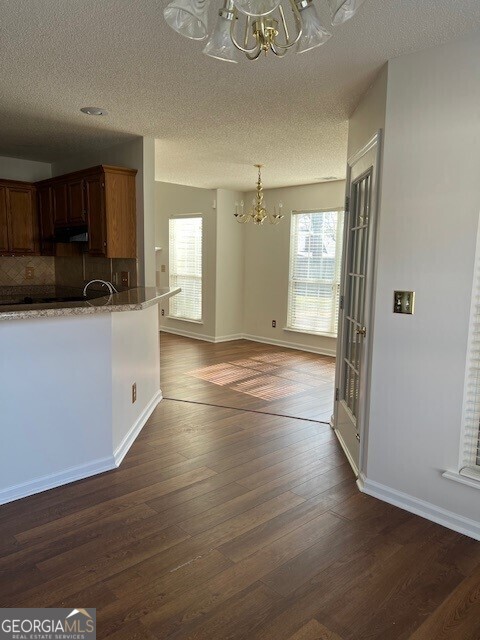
[(352, 373)]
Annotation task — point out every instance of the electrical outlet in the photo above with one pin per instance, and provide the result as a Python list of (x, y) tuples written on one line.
[(163, 312), (29, 273), (125, 278), (163, 268), (134, 392), (274, 324)]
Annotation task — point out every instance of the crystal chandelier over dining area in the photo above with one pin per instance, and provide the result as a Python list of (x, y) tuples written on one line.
[(255, 26)]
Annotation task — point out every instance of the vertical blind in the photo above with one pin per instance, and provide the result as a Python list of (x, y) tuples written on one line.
[(315, 268), (185, 267), (471, 412)]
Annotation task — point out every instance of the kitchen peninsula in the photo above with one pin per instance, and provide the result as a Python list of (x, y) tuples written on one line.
[(78, 382)]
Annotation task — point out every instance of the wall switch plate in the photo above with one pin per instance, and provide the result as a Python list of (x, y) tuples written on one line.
[(274, 324), (404, 302), (125, 276), (29, 273), (134, 392)]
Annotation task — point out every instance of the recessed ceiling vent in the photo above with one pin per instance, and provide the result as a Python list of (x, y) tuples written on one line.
[(94, 111)]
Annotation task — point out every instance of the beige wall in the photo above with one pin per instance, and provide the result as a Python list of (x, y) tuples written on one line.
[(175, 199), (24, 170), (230, 256), (369, 116), (430, 208), (267, 251)]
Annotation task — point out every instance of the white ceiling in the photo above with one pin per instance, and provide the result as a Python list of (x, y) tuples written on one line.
[(212, 120)]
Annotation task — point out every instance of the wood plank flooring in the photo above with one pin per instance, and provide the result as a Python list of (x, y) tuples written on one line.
[(258, 377), (223, 524)]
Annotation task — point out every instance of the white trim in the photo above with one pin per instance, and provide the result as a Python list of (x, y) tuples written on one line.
[(290, 345), (122, 449), (345, 448), (187, 334), (419, 507), (245, 336), (57, 479), (82, 471), (355, 157), (471, 480), (230, 338)]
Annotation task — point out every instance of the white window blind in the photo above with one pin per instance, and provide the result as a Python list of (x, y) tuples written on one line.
[(185, 267), (315, 268), (470, 465)]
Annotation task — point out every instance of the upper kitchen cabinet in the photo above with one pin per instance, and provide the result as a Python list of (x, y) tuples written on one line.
[(111, 212), (46, 220), (102, 199), (18, 218)]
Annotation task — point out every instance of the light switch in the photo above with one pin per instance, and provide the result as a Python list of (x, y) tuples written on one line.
[(404, 302)]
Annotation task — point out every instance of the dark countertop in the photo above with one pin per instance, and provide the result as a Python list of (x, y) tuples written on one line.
[(129, 300)]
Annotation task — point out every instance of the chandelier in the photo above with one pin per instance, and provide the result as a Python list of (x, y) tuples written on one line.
[(265, 25), (258, 213)]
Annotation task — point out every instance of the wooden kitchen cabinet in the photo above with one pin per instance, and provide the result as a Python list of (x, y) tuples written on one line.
[(77, 213), (46, 220), (18, 218), (59, 203), (103, 200)]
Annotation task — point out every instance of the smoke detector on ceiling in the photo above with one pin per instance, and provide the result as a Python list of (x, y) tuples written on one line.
[(94, 111)]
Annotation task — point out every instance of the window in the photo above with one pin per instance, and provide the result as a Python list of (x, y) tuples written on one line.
[(315, 267), (185, 267), (470, 455)]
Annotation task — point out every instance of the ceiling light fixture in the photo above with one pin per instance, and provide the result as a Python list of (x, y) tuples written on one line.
[(258, 213), (94, 111), (265, 25)]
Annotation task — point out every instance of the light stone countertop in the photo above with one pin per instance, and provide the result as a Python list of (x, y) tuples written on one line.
[(130, 300)]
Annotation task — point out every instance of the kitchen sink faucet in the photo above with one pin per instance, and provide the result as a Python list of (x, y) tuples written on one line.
[(109, 286)]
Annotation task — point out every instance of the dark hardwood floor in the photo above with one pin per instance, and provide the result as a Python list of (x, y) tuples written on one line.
[(229, 525)]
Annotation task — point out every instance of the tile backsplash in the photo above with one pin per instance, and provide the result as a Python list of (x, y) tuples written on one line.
[(13, 270), (75, 271), (68, 271)]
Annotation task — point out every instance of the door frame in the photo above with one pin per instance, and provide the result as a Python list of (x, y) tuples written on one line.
[(366, 365)]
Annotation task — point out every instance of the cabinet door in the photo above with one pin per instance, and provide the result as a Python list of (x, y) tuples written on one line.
[(76, 201), (22, 220), (3, 221), (45, 217), (97, 237), (60, 204)]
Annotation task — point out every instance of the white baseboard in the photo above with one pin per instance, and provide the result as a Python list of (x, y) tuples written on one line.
[(187, 334), (230, 338), (244, 336), (83, 471), (122, 449), (57, 479), (421, 508), (290, 345)]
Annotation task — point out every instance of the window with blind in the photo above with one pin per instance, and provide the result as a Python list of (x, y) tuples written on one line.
[(470, 455), (315, 268), (185, 267)]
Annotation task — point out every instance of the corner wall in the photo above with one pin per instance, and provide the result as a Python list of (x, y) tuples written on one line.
[(176, 199), (267, 254), (430, 206)]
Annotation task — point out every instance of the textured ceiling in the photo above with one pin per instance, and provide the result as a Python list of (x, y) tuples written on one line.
[(212, 120)]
